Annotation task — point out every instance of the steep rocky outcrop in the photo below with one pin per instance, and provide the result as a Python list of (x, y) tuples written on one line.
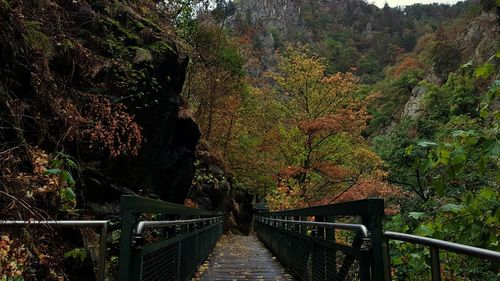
[(413, 108), (89, 110), (477, 39), (476, 42), (349, 33), (106, 93)]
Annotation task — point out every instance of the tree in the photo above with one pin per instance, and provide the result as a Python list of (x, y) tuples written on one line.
[(320, 129), (215, 82)]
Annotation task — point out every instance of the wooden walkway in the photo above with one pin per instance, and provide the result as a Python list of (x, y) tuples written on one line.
[(241, 258)]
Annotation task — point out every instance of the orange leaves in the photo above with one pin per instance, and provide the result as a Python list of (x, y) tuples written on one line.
[(110, 125), (408, 63), (321, 132), (341, 82), (190, 203), (13, 259), (344, 120), (285, 197), (291, 172), (333, 172), (100, 122), (372, 188)]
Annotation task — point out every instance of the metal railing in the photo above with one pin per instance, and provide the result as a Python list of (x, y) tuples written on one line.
[(143, 225), (171, 247), (329, 225), (434, 245), (312, 250), (103, 224)]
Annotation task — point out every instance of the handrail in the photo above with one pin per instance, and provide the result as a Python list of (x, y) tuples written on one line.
[(435, 245), (444, 245), (366, 207), (68, 223), (101, 264), (345, 226), (143, 225), (362, 255)]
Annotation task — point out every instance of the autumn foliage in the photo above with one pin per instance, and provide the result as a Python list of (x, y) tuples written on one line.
[(320, 128)]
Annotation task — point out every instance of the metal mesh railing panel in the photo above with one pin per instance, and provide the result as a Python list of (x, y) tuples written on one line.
[(162, 264), (308, 255), (203, 243), (178, 261), (319, 262), (188, 257), (347, 273), (331, 265), (303, 265)]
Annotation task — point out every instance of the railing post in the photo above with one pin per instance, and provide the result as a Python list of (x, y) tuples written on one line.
[(364, 266), (387, 260), (331, 256), (101, 267), (374, 225), (435, 264), (128, 222), (322, 235)]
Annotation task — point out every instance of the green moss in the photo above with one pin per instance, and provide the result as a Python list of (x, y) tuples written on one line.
[(67, 45), (4, 4), (36, 39), (161, 47), (150, 23), (141, 55), (123, 34)]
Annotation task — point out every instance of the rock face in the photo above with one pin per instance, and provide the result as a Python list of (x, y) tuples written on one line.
[(413, 108), (271, 21), (213, 190), (284, 15), (477, 39), (476, 43), (105, 93), (88, 88)]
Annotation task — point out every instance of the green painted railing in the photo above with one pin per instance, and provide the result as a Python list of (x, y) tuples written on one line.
[(164, 241), (333, 242)]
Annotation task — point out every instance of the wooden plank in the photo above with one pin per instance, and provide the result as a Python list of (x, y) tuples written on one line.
[(241, 258)]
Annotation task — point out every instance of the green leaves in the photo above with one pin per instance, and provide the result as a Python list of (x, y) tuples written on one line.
[(69, 194), (458, 156), (61, 166), (77, 253), (484, 71), (68, 178), (426, 144), (55, 171), (438, 186), (424, 230), (416, 215), (455, 208)]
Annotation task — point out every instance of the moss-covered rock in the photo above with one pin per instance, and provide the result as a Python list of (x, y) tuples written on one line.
[(98, 82)]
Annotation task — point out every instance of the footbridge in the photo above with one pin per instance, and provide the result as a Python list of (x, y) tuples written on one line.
[(163, 241)]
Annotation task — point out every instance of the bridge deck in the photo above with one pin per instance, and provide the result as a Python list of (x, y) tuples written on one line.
[(241, 258)]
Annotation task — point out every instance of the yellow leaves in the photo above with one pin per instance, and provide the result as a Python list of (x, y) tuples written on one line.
[(320, 132), (310, 93), (286, 196), (13, 258), (40, 160)]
